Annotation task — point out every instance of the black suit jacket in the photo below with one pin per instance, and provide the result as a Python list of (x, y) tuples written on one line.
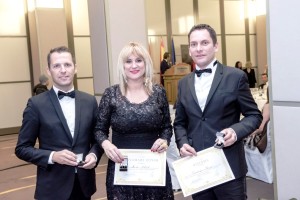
[(164, 65), (43, 119), (228, 98)]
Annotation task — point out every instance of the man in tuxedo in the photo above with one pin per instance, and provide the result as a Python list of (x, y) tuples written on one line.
[(211, 99), (62, 120), (265, 84), (164, 65)]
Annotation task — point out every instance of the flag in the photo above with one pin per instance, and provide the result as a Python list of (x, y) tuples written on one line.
[(173, 53), (162, 49)]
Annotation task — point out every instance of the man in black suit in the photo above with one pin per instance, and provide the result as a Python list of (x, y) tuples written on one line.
[(164, 65), (264, 78), (212, 101), (62, 120)]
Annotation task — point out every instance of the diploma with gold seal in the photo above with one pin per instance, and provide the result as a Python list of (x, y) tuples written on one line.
[(196, 173), (143, 168)]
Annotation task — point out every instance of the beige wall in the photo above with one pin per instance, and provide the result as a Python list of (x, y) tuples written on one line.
[(15, 85)]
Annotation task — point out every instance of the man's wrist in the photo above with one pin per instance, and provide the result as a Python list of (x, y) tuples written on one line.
[(94, 156), (50, 161)]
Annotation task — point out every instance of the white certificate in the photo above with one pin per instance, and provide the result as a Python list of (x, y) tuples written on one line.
[(144, 168), (196, 173)]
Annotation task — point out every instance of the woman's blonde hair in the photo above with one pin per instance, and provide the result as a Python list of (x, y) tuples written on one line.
[(248, 64), (139, 50)]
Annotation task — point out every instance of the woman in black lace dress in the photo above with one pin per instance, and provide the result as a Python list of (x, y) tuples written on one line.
[(137, 111)]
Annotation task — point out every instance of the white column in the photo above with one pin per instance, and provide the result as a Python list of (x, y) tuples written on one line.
[(283, 53), (125, 21)]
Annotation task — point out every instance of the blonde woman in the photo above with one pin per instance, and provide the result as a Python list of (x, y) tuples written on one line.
[(137, 111), (250, 74)]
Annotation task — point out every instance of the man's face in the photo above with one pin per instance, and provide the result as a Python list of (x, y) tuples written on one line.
[(62, 70), (201, 48), (264, 78)]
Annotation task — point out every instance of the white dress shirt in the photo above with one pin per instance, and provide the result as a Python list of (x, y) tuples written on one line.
[(203, 84), (68, 107)]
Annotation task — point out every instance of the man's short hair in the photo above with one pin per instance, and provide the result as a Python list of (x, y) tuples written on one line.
[(264, 74), (166, 55)]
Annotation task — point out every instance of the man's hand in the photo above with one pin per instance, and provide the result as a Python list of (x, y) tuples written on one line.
[(64, 157), (229, 137), (187, 150), (89, 162)]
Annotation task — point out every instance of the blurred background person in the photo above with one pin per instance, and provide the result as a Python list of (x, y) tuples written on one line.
[(42, 86), (164, 65), (265, 84), (250, 74), (239, 65)]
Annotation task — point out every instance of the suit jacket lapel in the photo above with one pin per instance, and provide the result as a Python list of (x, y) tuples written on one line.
[(216, 81), (59, 112), (191, 85), (77, 116)]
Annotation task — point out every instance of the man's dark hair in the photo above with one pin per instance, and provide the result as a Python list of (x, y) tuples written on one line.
[(60, 49), (264, 74), (166, 55), (207, 27)]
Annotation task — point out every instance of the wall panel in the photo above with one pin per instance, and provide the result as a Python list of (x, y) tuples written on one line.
[(236, 49), (156, 17), (182, 16), (80, 17), (234, 17), (14, 98), (13, 69), (209, 13), (83, 56), (86, 85)]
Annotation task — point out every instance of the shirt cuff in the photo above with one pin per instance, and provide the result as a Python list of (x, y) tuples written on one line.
[(234, 133), (50, 158)]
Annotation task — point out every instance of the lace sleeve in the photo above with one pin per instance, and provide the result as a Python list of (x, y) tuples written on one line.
[(166, 126), (103, 117)]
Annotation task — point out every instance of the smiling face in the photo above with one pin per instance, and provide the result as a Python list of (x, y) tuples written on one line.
[(134, 68), (62, 70), (201, 48)]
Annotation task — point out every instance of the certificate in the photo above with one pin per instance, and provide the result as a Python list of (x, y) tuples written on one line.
[(196, 173), (143, 168)]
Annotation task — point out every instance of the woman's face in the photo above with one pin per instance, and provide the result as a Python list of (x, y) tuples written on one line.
[(240, 64), (134, 68)]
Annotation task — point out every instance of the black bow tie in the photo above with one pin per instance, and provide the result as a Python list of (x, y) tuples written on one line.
[(61, 94), (199, 72)]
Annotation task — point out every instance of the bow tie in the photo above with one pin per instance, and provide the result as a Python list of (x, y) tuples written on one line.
[(199, 72), (61, 94)]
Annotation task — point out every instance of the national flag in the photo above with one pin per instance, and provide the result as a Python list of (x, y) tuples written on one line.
[(173, 53)]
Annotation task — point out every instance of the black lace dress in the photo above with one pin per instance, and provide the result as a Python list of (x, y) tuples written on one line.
[(134, 126)]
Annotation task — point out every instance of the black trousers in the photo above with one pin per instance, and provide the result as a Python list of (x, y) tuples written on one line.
[(233, 190), (77, 193)]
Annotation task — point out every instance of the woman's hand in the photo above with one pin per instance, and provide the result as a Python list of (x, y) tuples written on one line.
[(160, 145), (112, 152)]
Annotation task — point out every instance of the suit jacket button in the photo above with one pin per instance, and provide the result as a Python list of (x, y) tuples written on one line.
[(203, 119)]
